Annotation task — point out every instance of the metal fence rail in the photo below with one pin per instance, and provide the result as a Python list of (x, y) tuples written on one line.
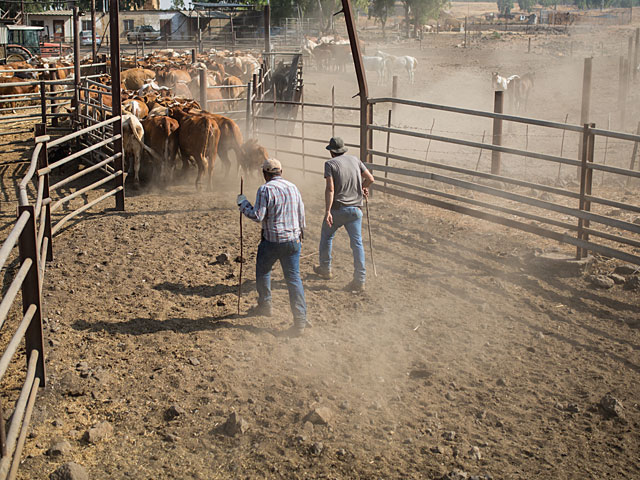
[(565, 215)]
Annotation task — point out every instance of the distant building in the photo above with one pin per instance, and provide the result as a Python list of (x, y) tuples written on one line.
[(58, 24), (174, 24)]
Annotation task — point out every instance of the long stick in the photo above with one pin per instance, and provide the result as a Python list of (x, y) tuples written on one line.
[(366, 202), (241, 252), (426, 154), (566, 119), (480, 154), (606, 147)]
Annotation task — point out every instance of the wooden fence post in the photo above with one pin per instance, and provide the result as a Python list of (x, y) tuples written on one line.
[(31, 294), (586, 178), (635, 54), (586, 102), (498, 105)]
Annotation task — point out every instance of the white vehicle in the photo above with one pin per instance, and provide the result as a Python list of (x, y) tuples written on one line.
[(86, 38)]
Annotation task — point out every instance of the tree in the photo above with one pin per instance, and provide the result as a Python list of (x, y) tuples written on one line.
[(422, 10), (505, 6), (381, 9), (526, 5), (177, 5)]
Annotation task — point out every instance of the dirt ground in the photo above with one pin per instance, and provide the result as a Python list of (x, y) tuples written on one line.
[(465, 352)]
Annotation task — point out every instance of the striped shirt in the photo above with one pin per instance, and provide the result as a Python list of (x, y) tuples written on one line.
[(280, 209)]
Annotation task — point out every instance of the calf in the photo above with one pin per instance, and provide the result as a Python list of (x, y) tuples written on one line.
[(160, 134), (8, 89), (132, 143), (198, 137)]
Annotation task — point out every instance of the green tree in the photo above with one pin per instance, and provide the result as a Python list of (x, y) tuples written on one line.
[(177, 4), (505, 6), (526, 5), (381, 9), (423, 10)]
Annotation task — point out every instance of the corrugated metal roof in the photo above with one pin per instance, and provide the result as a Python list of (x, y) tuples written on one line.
[(23, 27), (52, 13)]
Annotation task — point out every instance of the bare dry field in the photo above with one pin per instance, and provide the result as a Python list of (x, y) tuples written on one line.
[(465, 357)]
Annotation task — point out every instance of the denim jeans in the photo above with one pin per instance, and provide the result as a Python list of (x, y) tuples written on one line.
[(351, 219), (289, 255)]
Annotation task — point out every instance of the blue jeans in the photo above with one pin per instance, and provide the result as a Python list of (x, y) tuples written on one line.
[(289, 255), (351, 219)]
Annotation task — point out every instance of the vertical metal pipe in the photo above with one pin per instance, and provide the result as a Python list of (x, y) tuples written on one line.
[(333, 111), (94, 49), (498, 105), (275, 123), (203, 89), (365, 108), (388, 146), (304, 167), (394, 91), (583, 186), (193, 55), (31, 291), (247, 118), (43, 102), (43, 162), (529, 46), (116, 99), (76, 63), (267, 29)]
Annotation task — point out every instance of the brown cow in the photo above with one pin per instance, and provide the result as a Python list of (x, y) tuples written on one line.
[(134, 78), (8, 89), (248, 155), (198, 137), (160, 134), (137, 106)]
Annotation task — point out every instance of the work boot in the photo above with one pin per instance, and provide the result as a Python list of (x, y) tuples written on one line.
[(261, 310), (322, 272), (355, 286), (294, 331)]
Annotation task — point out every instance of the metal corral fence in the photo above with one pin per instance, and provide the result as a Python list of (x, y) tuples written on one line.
[(551, 211), (33, 234), (44, 102)]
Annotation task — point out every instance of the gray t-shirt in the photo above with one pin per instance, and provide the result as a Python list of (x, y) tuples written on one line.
[(346, 171)]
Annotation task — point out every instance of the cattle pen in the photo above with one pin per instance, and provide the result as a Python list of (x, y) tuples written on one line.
[(521, 187)]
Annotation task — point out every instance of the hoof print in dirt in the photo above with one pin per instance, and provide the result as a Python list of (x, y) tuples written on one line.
[(600, 281), (455, 474), (234, 425), (70, 471), (611, 406), (449, 436), (98, 433), (632, 282), (174, 411), (72, 386), (222, 259), (240, 259), (626, 269), (319, 416), (420, 373), (316, 449), (59, 448)]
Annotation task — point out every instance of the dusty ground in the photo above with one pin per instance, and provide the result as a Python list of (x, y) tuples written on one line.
[(464, 353)]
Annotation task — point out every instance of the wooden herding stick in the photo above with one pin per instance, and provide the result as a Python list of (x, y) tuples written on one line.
[(241, 252), (366, 202)]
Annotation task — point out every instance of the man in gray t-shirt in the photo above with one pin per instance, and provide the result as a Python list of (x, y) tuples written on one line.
[(347, 181)]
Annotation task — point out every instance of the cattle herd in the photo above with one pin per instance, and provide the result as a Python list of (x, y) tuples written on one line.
[(162, 124)]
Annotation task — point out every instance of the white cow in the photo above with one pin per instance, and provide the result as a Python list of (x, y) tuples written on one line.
[(375, 64), (132, 143), (394, 64)]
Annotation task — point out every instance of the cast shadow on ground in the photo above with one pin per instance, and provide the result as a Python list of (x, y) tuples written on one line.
[(145, 326)]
